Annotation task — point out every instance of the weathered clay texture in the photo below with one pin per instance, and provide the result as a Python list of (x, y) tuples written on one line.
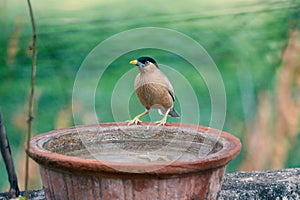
[(59, 185), (67, 177)]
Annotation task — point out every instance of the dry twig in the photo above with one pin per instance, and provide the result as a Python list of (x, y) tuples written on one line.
[(31, 96), (9, 164)]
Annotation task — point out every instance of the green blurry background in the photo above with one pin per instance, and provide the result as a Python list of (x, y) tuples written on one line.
[(246, 38)]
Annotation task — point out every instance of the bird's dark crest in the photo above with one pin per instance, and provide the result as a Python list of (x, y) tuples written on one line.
[(144, 59)]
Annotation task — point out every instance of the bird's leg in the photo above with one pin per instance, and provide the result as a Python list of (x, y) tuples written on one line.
[(164, 119), (136, 119)]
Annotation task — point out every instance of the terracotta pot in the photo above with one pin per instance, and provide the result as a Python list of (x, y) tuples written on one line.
[(114, 161)]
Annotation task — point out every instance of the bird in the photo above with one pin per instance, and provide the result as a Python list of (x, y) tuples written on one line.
[(153, 90)]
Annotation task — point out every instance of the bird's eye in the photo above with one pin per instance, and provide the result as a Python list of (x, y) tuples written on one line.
[(147, 62)]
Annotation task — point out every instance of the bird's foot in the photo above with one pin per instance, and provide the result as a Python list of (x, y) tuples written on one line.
[(135, 121), (161, 122)]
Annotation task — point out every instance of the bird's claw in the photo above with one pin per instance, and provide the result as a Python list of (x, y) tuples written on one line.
[(160, 122), (135, 121)]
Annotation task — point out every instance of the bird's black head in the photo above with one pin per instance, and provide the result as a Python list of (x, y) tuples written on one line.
[(144, 61)]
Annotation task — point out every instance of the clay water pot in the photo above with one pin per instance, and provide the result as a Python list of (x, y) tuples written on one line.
[(113, 161)]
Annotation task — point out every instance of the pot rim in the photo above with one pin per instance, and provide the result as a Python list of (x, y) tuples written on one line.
[(59, 162)]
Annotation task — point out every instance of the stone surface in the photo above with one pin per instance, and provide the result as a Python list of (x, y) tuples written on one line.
[(278, 185), (33, 194)]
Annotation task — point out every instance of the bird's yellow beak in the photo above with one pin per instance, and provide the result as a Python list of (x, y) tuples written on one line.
[(133, 62)]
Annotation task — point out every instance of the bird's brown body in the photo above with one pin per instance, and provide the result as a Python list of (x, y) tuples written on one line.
[(153, 90), (153, 95)]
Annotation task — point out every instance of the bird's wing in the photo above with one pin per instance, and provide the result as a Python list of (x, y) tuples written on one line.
[(169, 86), (172, 95)]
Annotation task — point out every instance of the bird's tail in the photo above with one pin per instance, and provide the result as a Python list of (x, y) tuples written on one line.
[(173, 113)]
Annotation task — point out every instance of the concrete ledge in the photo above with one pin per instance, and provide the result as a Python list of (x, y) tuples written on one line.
[(278, 185)]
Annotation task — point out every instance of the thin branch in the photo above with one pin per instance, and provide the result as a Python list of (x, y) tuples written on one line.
[(31, 96), (9, 164)]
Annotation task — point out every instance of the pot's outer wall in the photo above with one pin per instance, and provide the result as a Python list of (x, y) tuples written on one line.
[(58, 185)]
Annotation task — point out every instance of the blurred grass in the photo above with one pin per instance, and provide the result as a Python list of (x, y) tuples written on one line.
[(244, 38)]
